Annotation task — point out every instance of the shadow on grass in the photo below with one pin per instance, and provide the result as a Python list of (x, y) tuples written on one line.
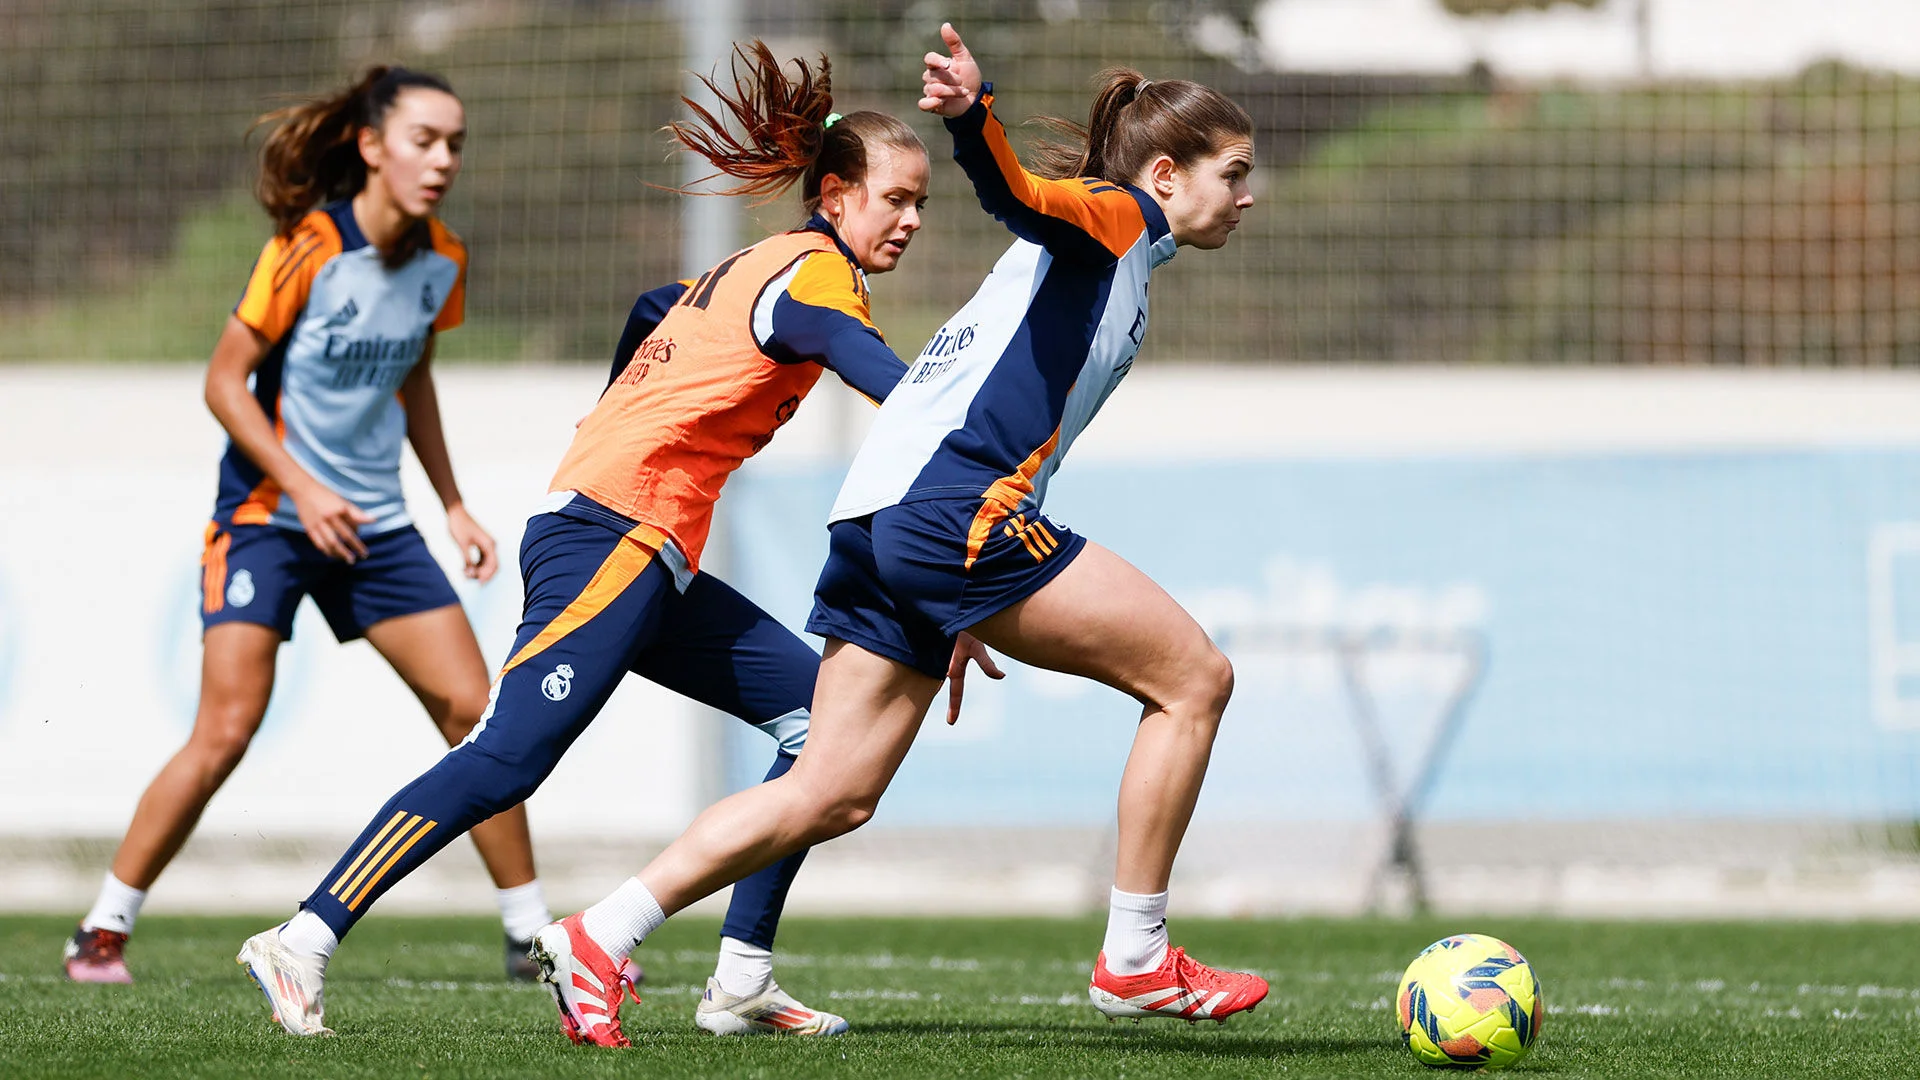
[(1197, 1042)]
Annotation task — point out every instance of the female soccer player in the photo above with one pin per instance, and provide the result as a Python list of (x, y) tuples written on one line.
[(335, 333), (612, 566), (937, 540)]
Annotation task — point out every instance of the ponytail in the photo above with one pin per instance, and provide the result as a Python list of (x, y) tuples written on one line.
[(1133, 121), (789, 132), (311, 154)]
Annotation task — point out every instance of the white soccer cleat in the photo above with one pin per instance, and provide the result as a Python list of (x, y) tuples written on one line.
[(772, 1011), (295, 983)]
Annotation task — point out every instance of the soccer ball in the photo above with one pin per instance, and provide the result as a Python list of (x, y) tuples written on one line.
[(1470, 1001)]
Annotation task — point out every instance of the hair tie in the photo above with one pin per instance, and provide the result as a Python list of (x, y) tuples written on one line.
[(831, 118), (1142, 88)]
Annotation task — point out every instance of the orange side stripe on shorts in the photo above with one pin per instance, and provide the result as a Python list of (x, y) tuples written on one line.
[(1004, 494), (622, 568), (354, 904), (213, 570), (371, 844), (354, 882)]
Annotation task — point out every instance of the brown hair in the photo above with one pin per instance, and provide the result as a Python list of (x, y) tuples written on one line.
[(785, 133), (311, 154), (1133, 121)]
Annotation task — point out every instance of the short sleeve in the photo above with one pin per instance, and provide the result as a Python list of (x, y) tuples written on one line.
[(282, 277), (454, 311)]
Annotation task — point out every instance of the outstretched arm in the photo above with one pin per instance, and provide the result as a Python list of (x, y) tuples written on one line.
[(817, 313), (1085, 218)]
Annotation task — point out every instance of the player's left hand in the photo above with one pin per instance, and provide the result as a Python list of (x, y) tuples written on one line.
[(476, 545), (966, 647), (951, 83)]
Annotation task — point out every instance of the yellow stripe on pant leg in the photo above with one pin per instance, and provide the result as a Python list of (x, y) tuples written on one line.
[(354, 904), (354, 882), (370, 845)]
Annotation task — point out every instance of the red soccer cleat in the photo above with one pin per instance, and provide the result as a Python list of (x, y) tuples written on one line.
[(97, 956), (1182, 988), (587, 985)]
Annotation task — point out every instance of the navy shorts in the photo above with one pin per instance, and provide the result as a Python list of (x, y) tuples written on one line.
[(258, 573), (904, 581)]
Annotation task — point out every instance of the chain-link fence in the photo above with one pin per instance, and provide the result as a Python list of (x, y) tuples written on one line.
[(1465, 218)]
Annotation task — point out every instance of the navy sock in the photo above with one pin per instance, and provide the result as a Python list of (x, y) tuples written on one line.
[(754, 914)]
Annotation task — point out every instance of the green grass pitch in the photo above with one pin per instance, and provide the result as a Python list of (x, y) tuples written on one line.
[(981, 998)]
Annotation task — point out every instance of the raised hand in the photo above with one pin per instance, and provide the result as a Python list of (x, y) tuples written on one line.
[(951, 83)]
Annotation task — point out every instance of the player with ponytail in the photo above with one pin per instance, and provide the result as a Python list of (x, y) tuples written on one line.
[(938, 542), (705, 375), (322, 372)]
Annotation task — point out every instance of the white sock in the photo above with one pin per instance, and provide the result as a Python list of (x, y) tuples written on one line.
[(623, 919), (523, 910), (308, 933), (116, 908), (1136, 932), (744, 970)]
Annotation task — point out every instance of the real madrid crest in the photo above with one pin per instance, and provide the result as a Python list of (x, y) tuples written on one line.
[(558, 683)]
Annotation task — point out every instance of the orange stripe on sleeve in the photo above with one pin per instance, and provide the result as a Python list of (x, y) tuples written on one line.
[(283, 276), (1109, 216)]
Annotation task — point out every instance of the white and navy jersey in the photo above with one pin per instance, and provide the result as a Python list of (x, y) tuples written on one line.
[(346, 332), (993, 402)]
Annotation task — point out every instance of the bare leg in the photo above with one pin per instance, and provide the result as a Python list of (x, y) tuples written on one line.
[(1100, 618), (435, 653), (866, 711), (236, 679), (1105, 620)]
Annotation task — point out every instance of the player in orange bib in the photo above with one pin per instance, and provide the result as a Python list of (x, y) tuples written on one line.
[(708, 371)]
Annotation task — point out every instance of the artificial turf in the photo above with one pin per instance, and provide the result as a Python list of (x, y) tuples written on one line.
[(977, 998)]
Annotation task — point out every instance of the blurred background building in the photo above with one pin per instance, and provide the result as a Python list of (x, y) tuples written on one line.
[(1543, 448)]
